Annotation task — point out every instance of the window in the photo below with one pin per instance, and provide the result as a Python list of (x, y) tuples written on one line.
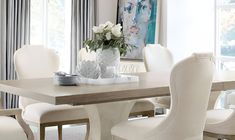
[(50, 27), (225, 40), (225, 28)]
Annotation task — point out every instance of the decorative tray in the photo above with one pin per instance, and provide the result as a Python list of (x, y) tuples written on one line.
[(107, 81)]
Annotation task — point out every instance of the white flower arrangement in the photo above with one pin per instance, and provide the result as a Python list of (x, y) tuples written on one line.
[(108, 36)]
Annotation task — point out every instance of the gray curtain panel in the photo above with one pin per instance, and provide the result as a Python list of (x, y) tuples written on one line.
[(83, 19), (14, 27)]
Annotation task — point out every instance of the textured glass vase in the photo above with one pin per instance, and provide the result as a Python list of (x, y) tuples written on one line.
[(88, 69), (109, 60)]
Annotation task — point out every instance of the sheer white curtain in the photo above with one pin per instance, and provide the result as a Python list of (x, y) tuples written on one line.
[(14, 32)]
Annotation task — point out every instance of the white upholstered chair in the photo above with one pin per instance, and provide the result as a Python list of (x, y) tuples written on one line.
[(220, 123), (41, 62), (190, 86), (157, 59), (14, 129)]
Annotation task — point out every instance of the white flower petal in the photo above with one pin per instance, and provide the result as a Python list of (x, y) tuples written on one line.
[(108, 25), (108, 36), (98, 29), (95, 29), (116, 30)]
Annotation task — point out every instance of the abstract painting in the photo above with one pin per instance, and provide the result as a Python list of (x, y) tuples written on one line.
[(140, 21)]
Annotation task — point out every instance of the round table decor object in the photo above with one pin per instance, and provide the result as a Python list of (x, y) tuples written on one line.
[(64, 79)]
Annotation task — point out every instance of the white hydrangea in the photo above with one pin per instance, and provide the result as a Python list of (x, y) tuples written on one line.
[(116, 30), (108, 36)]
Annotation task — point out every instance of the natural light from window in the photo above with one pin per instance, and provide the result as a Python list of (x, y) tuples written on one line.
[(50, 27), (225, 40), (225, 23)]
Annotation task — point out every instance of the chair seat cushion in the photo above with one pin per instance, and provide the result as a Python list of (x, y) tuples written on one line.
[(135, 128), (10, 129), (220, 121), (142, 105), (44, 113)]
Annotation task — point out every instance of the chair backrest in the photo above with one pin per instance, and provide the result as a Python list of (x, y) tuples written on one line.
[(190, 86), (157, 58), (34, 62)]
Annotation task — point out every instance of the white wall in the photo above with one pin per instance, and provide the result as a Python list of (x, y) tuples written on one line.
[(190, 27), (163, 23), (107, 11)]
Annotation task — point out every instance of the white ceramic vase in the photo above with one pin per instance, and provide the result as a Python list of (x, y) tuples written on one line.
[(109, 60)]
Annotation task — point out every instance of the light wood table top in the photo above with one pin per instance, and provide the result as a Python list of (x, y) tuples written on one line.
[(150, 85)]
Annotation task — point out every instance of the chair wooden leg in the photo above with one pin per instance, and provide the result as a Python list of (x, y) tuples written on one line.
[(41, 132), (60, 128), (87, 131)]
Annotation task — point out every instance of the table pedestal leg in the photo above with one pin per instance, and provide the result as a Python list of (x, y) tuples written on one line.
[(104, 116)]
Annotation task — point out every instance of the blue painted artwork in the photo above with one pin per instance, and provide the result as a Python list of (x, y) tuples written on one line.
[(138, 18)]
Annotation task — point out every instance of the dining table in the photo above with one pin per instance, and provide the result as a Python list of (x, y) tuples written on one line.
[(109, 104)]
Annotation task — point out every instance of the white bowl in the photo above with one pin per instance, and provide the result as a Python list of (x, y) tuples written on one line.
[(67, 80)]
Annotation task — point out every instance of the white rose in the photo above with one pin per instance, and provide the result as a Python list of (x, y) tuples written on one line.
[(108, 25), (101, 26), (108, 36), (97, 29), (116, 30)]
